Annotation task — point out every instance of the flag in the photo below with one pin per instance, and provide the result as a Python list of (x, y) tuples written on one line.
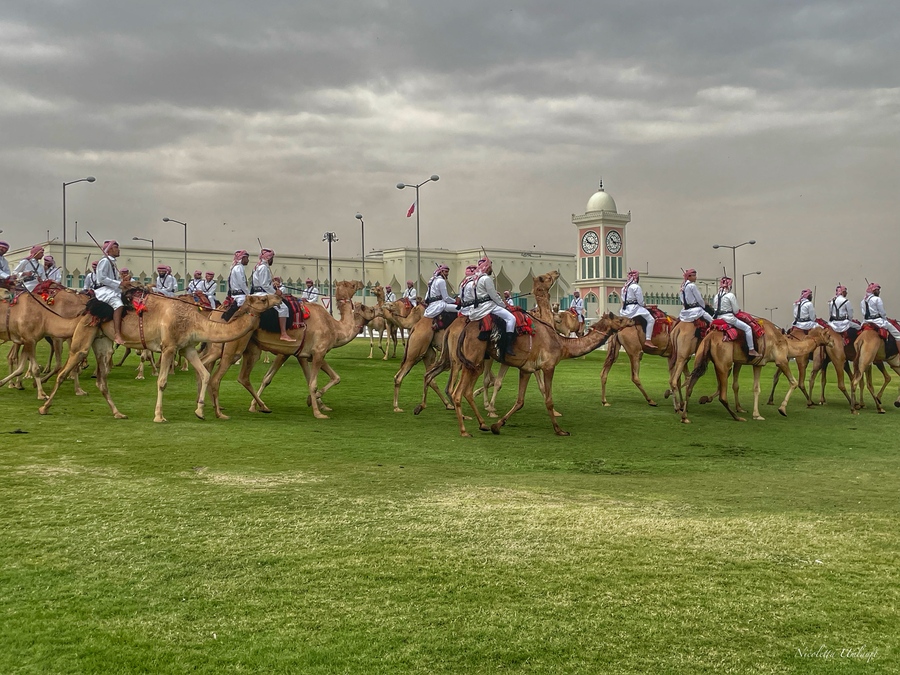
[(412, 210)]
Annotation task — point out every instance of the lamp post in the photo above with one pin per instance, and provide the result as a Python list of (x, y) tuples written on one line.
[(362, 223), (172, 220), (152, 252), (770, 310), (743, 293), (733, 256), (400, 186), (330, 237), (65, 269)]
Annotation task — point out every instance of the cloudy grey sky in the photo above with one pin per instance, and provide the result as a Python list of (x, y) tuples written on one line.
[(775, 120)]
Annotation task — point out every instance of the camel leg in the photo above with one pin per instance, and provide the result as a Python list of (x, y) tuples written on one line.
[(736, 387), (757, 371), (524, 378), (315, 364), (225, 358), (165, 362), (258, 405), (491, 405), (103, 352), (409, 360), (124, 356), (465, 388), (612, 354), (786, 369), (722, 378), (333, 379), (192, 357), (17, 367)]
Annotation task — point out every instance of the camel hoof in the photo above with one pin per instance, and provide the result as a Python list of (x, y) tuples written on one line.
[(493, 414), (881, 411), (123, 416), (557, 414), (466, 434), (449, 406), (495, 428), (685, 420), (759, 418), (482, 427), (668, 393), (160, 420), (741, 419), (562, 433), (81, 392), (467, 418), (606, 405), (398, 409), (419, 408), (43, 410), (139, 377), (325, 408), (321, 417), (782, 412), (897, 404), (199, 415), (704, 400), (222, 416), (651, 403)]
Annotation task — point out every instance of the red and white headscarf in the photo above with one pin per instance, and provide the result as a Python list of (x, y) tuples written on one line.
[(483, 265), (108, 244), (633, 277), (725, 283), (309, 282), (5, 246), (162, 269), (239, 255), (805, 294), (36, 251), (210, 274), (266, 254), (49, 260), (124, 272), (471, 271), (871, 288), (840, 290), (689, 272), (441, 269)]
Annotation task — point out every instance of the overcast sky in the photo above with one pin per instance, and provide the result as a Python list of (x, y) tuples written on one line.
[(775, 120)]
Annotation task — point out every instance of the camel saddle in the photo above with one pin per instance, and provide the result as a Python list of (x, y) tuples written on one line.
[(524, 324), (47, 290), (701, 328), (890, 344), (732, 334), (268, 320), (495, 331), (408, 304), (442, 320), (299, 312), (663, 324)]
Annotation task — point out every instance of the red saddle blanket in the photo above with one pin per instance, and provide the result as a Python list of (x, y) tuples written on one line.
[(524, 324), (663, 321), (757, 328), (731, 333), (298, 310), (47, 290)]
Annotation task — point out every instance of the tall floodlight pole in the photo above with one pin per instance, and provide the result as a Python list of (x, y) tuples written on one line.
[(152, 252), (743, 292), (734, 256), (330, 237), (362, 223), (172, 220), (400, 186), (65, 269)]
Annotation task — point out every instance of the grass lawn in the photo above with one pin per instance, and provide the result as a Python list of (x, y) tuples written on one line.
[(380, 542)]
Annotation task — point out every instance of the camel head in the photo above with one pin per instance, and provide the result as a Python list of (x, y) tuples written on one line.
[(543, 282), (555, 306), (611, 322), (344, 290), (379, 293), (821, 336), (257, 304), (363, 313)]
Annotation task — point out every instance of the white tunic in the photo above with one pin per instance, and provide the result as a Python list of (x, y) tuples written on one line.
[(410, 294), (237, 284), (262, 284), (490, 302), (633, 301), (876, 314), (840, 314), (54, 274), (310, 294), (804, 314), (467, 295), (194, 285), (390, 296), (89, 281), (438, 299), (165, 285), (4, 268), (208, 288), (108, 283), (726, 306), (692, 305), (35, 271), (578, 307)]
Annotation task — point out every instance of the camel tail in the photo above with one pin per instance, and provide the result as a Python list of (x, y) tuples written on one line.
[(701, 363)]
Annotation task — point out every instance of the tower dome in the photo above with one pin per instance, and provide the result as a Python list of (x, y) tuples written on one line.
[(600, 201)]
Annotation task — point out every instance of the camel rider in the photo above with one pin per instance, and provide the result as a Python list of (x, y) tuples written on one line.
[(507, 298), (488, 301), (410, 293), (5, 272), (165, 282), (194, 285), (438, 299), (108, 285), (208, 288), (238, 290), (310, 293), (389, 295), (873, 311), (90, 278), (840, 313), (692, 305), (30, 271), (726, 306), (125, 275), (633, 305), (467, 291), (52, 271), (804, 311), (261, 284), (577, 306)]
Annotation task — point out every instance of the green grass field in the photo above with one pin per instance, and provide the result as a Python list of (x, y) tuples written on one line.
[(376, 542)]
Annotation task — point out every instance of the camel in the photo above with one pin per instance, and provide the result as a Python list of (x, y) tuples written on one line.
[(775, 347), (539, 352), (566, 322), (31, 318), (870, 348), (683, 342), (321, 334), (380, 325), (168, 326), (632, 340), (541, 286)]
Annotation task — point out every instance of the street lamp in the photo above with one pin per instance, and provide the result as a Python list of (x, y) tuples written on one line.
[(400, 186), (362, 223), (733, 257), (330, 237), (172, 220), (743, 294), (152, 252), (65, 269), (770, 310)]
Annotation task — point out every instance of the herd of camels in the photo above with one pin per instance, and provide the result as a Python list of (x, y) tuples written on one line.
[(212, 343)]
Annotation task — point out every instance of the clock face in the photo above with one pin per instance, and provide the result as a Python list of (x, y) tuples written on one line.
[(613, 241), (590, 242)]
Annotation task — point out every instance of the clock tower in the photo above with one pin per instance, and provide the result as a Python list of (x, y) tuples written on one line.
[(601, 268)]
